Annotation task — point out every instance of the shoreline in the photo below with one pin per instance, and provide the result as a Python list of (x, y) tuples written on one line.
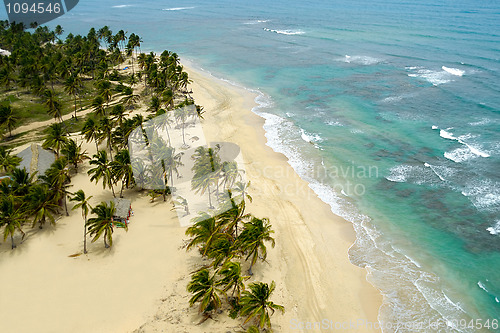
[(335, 289)]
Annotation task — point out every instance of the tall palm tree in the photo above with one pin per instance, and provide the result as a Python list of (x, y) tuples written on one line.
[(102, 170), (102, 225), (252, 238), (53, 105), (91, 131), (121, 168), (73, 86), (42, 204), (83, 203), (205, 288), (8, 162), (98, 105), (55, 138), (256, 304), (106, 131), (57, 177), (206, 169), (11, 218), (118, 114), (73, 153), (8, 118)]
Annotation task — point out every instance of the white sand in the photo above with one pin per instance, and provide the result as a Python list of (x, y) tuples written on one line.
[(141, 281)]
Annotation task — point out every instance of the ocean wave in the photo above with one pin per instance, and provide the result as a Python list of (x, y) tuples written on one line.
[(310, 138), (122, 6), (453, 71), (436, 77), (460, 155), (484, 121), (286, 32), (484, 195), (256, 22), (177, 8), (449, 135), (494, 230), (360, 60), (334, 123), (419, 174)]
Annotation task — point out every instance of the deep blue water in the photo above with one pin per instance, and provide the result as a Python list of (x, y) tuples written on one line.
[(398, 102)]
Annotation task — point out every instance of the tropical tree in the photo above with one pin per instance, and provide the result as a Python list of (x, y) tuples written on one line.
[(53, 105), (82, 201), (98, 105), (204, 231), (8, 118), (255, 303), (206, 169), (205, 288), (42, 204), (121, 168), (11, 218), (106, 131), (73, 153), (55, 138), (91, 131), (73, 86), (57, 177), (8, 162), (232, 278), (102, 170), (252, 238), (102, 225)]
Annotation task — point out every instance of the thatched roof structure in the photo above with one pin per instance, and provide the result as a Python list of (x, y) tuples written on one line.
[(122, 207), (35, 158)]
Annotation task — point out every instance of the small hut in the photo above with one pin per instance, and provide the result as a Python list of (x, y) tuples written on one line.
[(36, 159), (123, 210)]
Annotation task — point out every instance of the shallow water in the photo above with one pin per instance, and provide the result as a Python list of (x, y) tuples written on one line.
[(390, 109)]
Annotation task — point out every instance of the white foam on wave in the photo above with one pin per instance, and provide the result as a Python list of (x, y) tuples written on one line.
[(310, 138), (460, 155), (484, 195), (360, 60), (434, 127), (449, 135), (453, 71), (436, 77), (484, 121), (481, 285), (334, 123), (494, 230), (177, 8), (256, 22), (286, 32), (122, 6), (419, 174)]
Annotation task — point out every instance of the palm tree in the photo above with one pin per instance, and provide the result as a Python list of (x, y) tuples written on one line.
[(102, 225), (102, 170), (121, 168), (57, 177), (41, 204), (8, 118), (118, 114), (256, 304), (232, 278), (91, 131), (11, 218), (98, 105), (206, 169), (83, 203), (73, 86), (55, 138), (252, 238), (204, 231), (73, 153), (106, 131), (53, 105), (8, 162), (182, 114), (204, 286)]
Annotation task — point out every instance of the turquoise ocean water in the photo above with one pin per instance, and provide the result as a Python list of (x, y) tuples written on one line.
[(390, 109)]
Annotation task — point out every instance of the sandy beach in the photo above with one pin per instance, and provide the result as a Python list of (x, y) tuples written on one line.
[(139, 285)]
